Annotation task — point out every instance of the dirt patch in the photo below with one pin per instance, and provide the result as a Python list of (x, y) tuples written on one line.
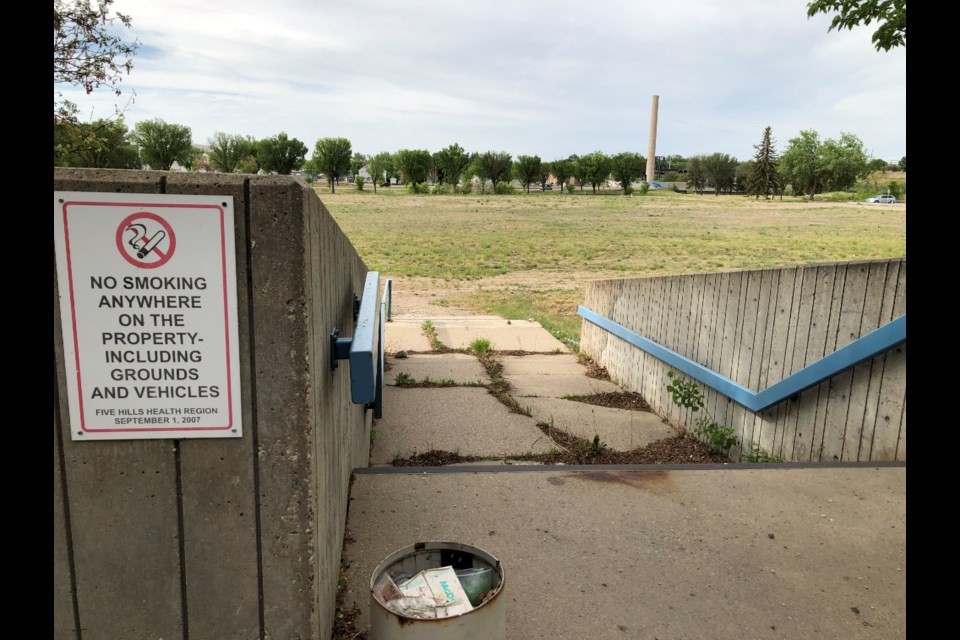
[(615, 400), (681, 449), (433, 458)]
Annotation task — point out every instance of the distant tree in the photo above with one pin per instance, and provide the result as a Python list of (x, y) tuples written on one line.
[(89, 50), (280, 153), (413, 165), (227, 151), (357, 162), (812, 166), (719, 170), (378, 166), (103, 143), (451, 163), (596, 169), (527, 170), (545, 170), (890, 16), (846, 162), (495, 165), (563, 170), (696, 175), (764, 179), (479, 169), (627, 167), (902, 165), (332, 158), (249, 163), (877, 165), (161, 144), (741, 176)]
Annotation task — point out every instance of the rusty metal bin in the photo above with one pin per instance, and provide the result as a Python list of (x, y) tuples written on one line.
[(488, 621)]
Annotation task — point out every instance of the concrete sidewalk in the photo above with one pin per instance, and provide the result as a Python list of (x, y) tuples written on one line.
[(643, 552), (769, 552)]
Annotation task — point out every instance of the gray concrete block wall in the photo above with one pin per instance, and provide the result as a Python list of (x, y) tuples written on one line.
[(757, 327), (224, 538)]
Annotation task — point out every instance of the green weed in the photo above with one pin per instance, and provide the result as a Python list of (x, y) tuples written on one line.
[(480, 346)]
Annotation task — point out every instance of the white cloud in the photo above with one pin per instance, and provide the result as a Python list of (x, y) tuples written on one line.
[(521, 76)]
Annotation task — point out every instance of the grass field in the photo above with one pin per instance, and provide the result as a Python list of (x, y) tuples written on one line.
[(528, 256)]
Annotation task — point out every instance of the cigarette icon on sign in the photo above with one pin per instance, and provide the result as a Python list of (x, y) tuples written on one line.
[(141, 243), (146, 240)]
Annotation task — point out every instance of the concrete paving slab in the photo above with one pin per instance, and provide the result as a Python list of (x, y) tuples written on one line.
[(459, 367), (551, 376), (620, 429), (504, 335), (404, 334), (768, 552), (467, 420)]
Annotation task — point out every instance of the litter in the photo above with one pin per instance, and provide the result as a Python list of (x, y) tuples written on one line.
[(430, 594)]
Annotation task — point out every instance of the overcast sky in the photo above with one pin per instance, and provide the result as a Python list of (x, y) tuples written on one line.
[(534, 78)]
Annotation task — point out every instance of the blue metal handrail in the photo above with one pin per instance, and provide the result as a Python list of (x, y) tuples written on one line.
[(365, 349), (874, 343)]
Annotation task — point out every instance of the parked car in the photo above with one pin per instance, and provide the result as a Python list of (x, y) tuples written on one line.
[(883, 199), (548, 187)]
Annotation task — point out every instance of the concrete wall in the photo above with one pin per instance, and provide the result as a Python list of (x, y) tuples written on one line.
[(224, 538), (756, 328)]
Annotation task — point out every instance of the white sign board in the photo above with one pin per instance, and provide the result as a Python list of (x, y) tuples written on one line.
[(148, 306)]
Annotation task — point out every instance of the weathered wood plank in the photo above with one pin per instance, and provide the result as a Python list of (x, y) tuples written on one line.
[(862, 374), (829, 346), (890, 406), (814, 329), (851, 301), (764, 422)]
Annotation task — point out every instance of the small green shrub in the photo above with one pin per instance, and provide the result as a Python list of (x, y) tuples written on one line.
[(480, 346), (643, 188), (759, 455), (596, 446), (359, 181), (686, 394), (893, 188), (403, 378), (466, 188), (442, 190), (627, 190), (415, 188), (570, 187), (503, 189)]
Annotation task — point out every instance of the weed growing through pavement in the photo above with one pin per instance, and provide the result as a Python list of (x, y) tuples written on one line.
[(481, 347), (685, 393)]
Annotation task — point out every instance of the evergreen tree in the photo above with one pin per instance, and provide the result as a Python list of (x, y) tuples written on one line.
[(765, 178)]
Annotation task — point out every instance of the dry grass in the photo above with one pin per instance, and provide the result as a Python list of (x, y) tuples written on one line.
[(529, 255)]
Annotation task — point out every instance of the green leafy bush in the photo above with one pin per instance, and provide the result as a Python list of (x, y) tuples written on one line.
[(686, 394), (413, 187), (643, 188), (503, 189), (358, 181)]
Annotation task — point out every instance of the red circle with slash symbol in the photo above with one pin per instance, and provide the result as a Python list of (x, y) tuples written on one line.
[(146, 240)]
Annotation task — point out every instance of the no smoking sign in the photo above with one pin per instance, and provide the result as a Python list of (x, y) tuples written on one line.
[(148, 310)]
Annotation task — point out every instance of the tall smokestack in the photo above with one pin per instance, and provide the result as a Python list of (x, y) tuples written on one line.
[(652, 149)]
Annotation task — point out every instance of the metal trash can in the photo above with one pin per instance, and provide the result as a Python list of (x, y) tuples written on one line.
[(487, 621)]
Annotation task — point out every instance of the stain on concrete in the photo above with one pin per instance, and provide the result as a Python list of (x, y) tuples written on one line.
[(649, 480)]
